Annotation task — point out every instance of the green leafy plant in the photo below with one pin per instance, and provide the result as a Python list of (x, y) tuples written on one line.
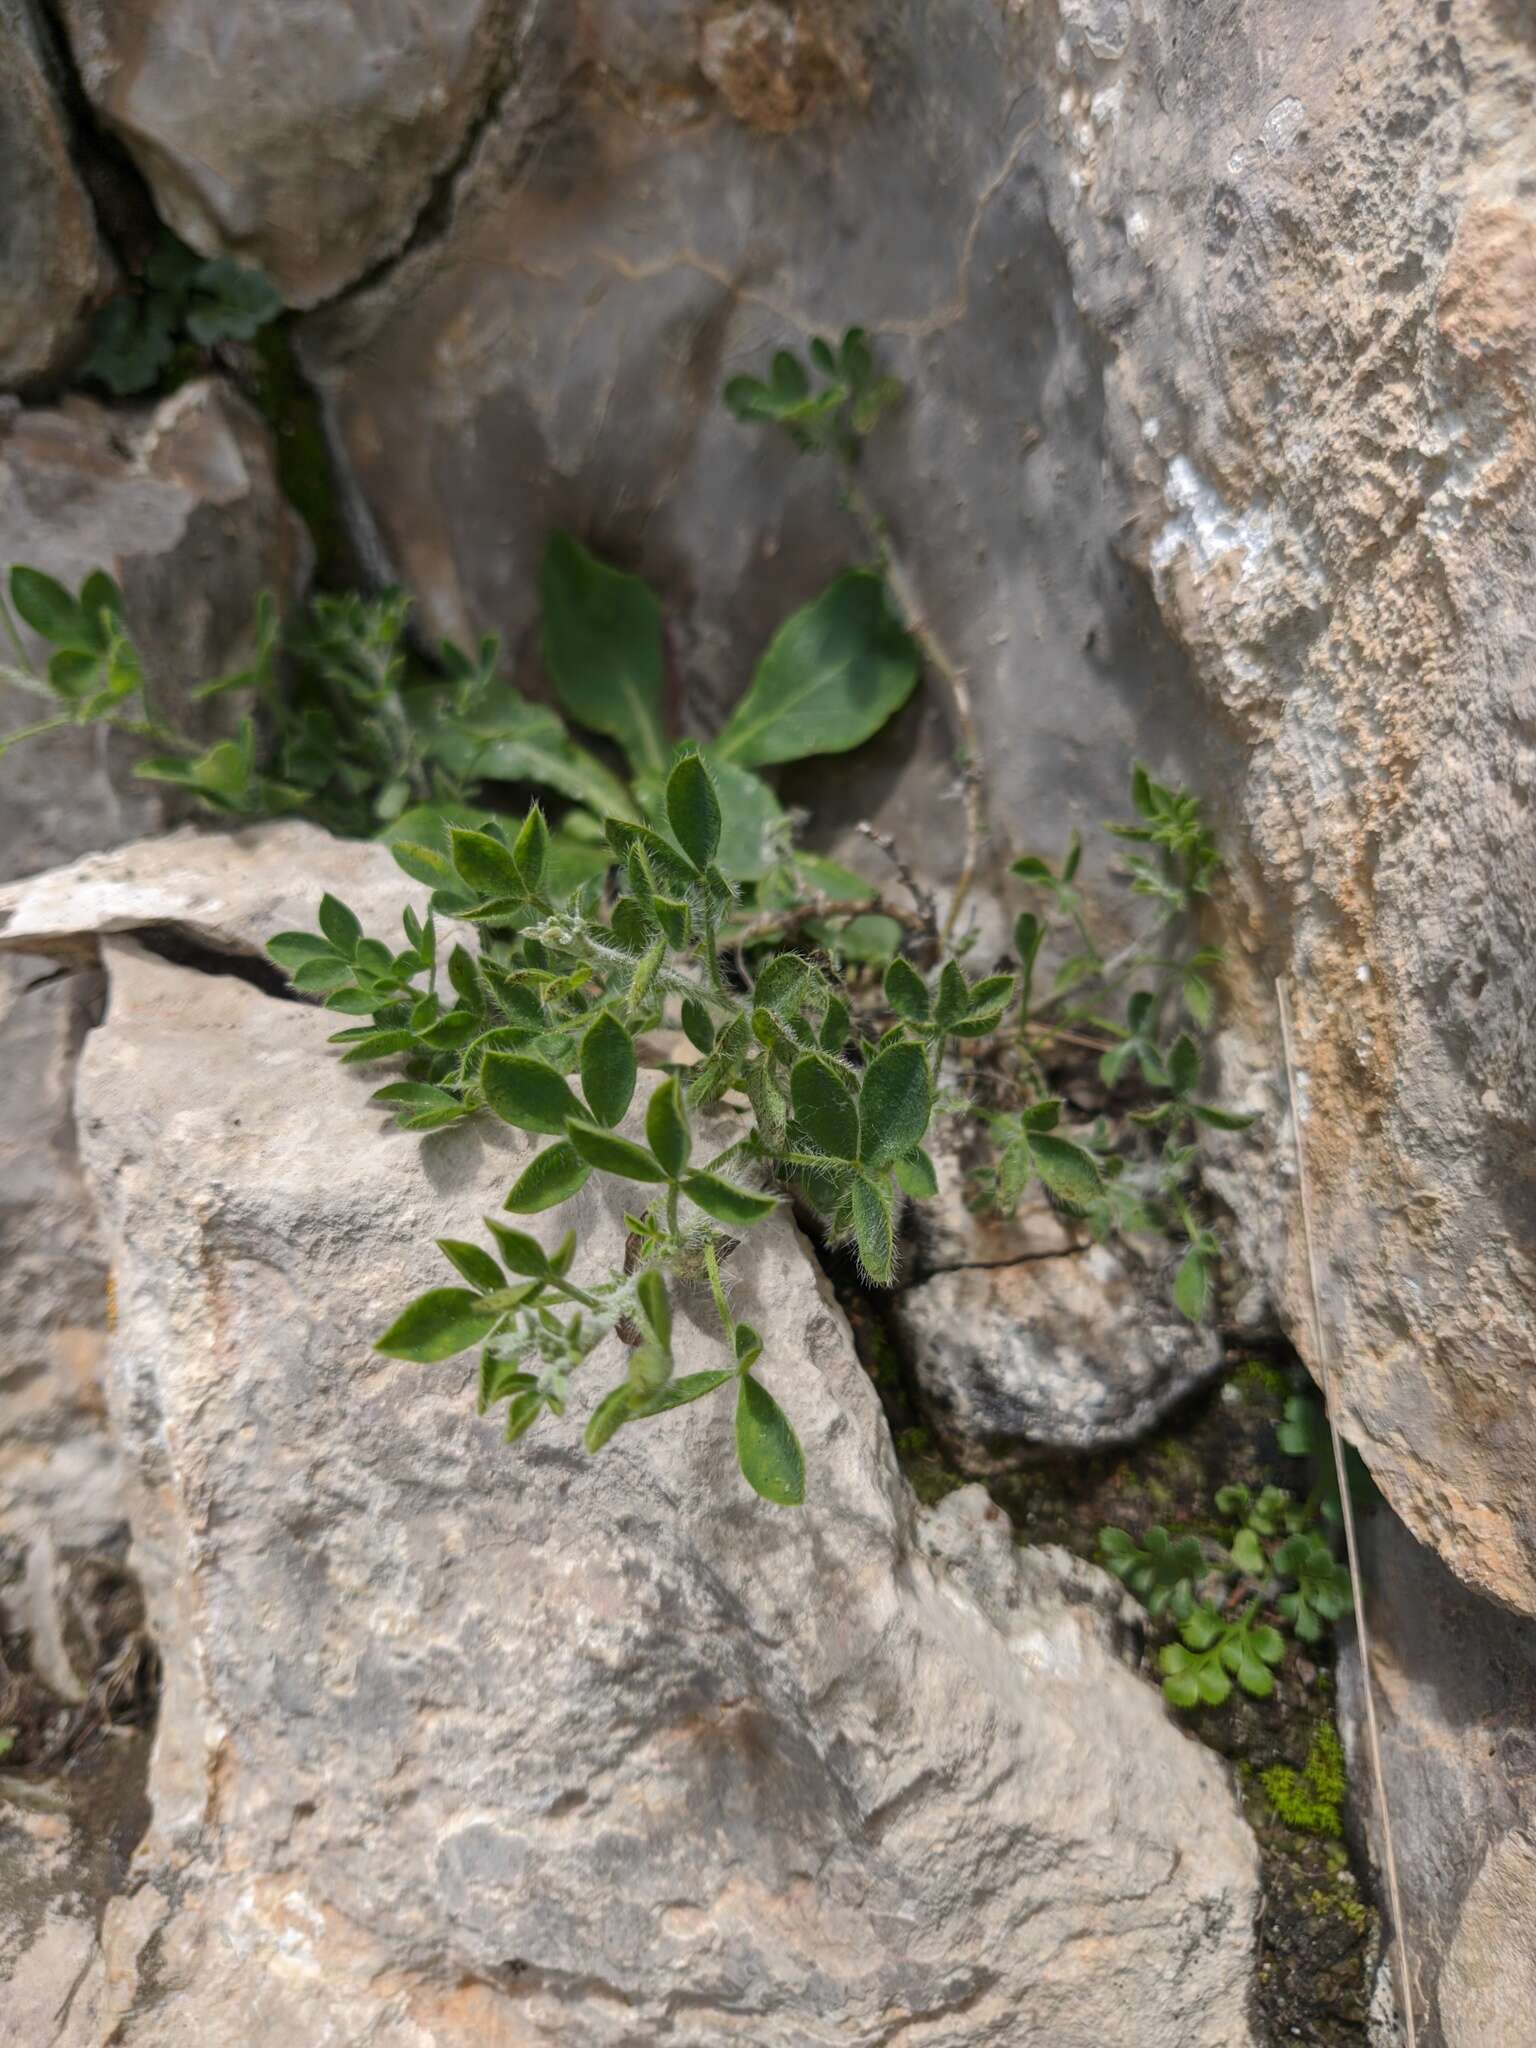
[(183, 302), (342, 720), (802, 1085), (1162, 1572), (1133, 1169), (1212, 1650), (827, 403), (538, 1027), (1233, 1603)]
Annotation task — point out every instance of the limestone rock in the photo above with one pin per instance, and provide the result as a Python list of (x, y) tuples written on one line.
[(302, 136), (1304, 235), (1456, 1705), (1074, 1351), (668, 194), (53, 269), (180, 503), (649, 1757), (1025, 1337)]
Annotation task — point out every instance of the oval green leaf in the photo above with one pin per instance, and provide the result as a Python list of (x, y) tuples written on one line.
[(666, 1127), (607, 1068), (437, 1325), (825, 1107), (553, 1177), (528, 1092), (895, 1103), (767, 1448), (602, 647), (611, 1154), (832, 675), (725, 1201)]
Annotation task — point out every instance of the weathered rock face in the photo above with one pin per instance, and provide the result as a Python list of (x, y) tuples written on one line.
[(52, 265), (650, 1758), (1305, 235), (180, 503), (1456, 1701), (304, 138), (665, 196), (1075, 1351), (1140, 238), (1026, 1337)]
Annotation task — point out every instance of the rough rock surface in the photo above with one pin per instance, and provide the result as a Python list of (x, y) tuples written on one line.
[(652, 1759), (666, 195), (52, 265), (303, 136), (1025, 1337), (1239, 299), (180, 502), (1456, 1702), (1305, 236), (1067, 1351)]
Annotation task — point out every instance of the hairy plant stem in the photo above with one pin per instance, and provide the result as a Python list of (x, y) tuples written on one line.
[(717, 1289), (967, 747)]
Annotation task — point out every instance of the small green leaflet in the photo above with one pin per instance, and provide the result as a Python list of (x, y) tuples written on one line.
[(894, 1104), (553, 1177), (693, 809), (766, 1446), (874, 1230), (528, 1092), (437, 1325), (607, 1068)]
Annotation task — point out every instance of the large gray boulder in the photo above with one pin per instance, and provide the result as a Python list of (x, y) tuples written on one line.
[(1304, 236), (464, 1742), (303, 136), (53, 269), (1025, 1338), (1204, 457)]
